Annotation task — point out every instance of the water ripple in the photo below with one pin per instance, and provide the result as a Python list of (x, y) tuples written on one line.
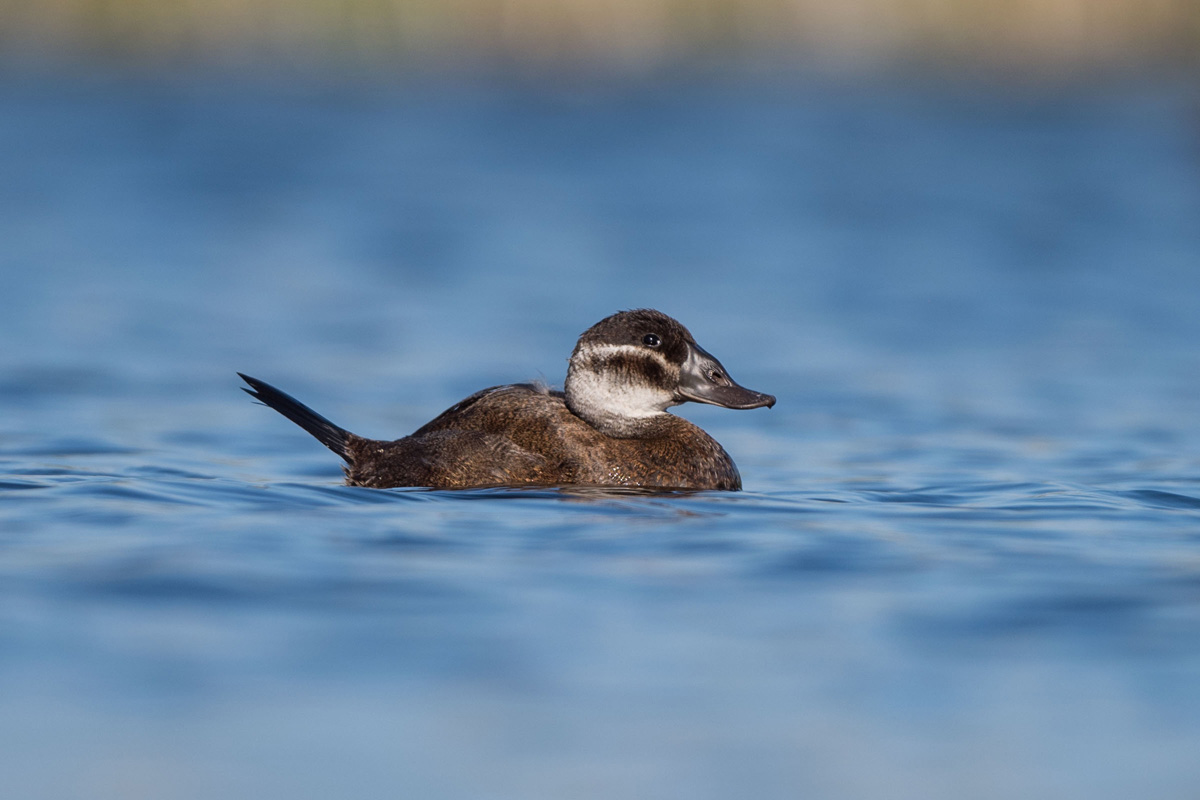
[(1159, 499)]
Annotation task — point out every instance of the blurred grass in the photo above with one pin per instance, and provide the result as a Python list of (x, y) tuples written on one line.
[(1017, 34)]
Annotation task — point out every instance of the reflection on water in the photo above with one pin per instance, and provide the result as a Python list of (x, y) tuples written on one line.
[(966, 562)]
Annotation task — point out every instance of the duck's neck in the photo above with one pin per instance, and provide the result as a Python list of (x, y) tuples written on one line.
[(622, 409)]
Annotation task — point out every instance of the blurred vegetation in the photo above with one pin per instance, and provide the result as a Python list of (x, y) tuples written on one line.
[(1018, 34)]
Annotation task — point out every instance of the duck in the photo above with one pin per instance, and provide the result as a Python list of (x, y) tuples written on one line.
[(608, 427)]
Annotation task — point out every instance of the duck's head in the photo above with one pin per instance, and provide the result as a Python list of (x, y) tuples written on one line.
[(628, 369)]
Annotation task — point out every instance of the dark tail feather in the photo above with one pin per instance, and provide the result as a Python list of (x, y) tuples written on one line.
[(327, 433)]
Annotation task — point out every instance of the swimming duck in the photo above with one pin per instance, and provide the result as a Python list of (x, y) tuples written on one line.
[(609, 425)]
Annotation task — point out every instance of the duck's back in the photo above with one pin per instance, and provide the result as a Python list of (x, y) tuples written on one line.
[(525, 435)]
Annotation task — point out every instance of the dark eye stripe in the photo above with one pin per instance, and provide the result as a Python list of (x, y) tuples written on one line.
[(628, 364)]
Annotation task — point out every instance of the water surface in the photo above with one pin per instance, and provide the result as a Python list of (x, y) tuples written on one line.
[(966, 563)]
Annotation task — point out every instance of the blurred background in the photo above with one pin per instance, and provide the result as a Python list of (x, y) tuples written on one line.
[(1029, 36), (959, 240)]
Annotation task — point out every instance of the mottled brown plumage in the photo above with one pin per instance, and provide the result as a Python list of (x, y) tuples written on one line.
[(608, 428)]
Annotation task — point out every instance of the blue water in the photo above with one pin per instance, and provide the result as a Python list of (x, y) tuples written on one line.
[(966, 563)]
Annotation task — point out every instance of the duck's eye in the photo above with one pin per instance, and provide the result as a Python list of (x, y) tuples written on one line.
[(651, 340)]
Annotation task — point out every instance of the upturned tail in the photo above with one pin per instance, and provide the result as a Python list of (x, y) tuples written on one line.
[(335, 438)]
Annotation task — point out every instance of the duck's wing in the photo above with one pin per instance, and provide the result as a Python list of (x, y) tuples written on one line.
[(446, 459), (481, 409)]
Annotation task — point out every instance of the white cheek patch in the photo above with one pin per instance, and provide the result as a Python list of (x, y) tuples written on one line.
[(600, 394), (630, 400), (589, 351)]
